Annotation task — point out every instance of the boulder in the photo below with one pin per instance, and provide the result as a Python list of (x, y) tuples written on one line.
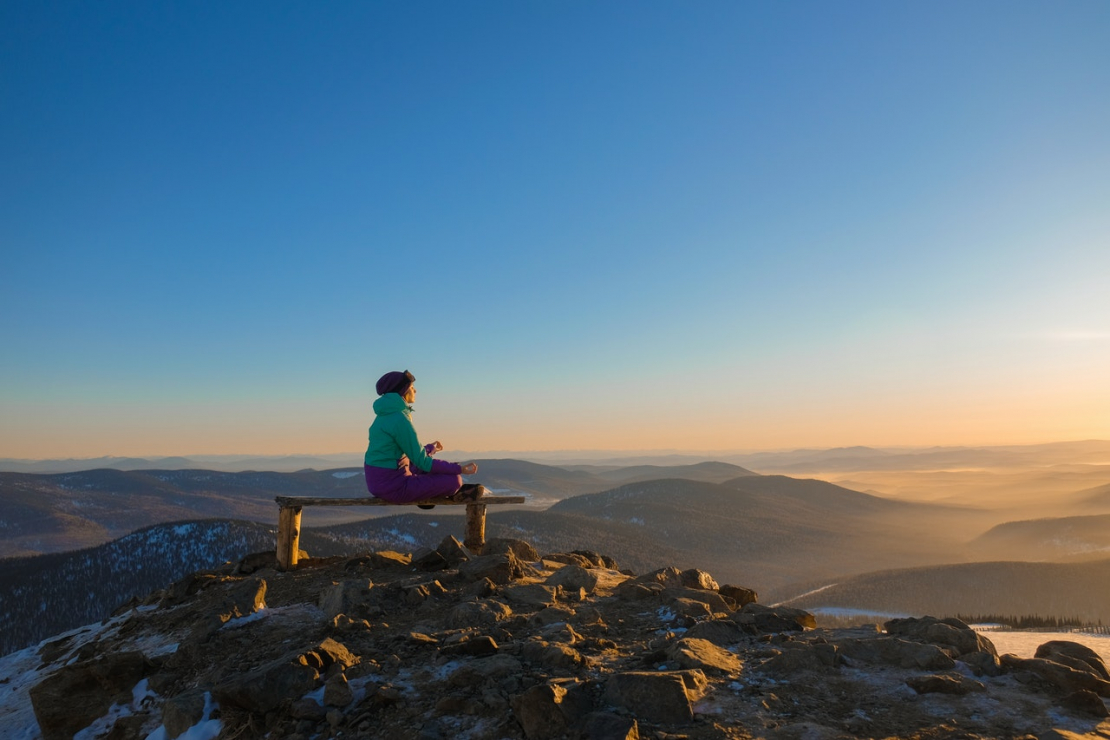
[(896, 652), (453, 551), (944, 683), (554, 656), (519, 548), (331, 652), (74, 696), (609, 726), (181, 712), (427, 559), (475, 646), (760, 619), (691, 652), (738, 594), (475, 613), (1064, 677), (337, 692), (801, 657), (656, 697), (500, 569), (574, 577), (530, 594), (1074, 655), (697, 579), (721, 632), (551, 615), (264, 689), (949, 632), (539, 712), (982, 663), (1085, 702), (475, 672), (713, 601), (348, 597)]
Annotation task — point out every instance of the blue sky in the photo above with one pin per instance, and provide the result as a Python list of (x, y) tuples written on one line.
[(581, 225)]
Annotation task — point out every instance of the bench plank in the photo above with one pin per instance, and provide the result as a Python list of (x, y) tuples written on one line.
[(289, 501)]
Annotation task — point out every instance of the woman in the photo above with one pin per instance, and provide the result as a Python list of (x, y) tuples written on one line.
[(398, 468)]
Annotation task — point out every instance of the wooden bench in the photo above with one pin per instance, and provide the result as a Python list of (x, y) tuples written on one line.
[(289, 519)]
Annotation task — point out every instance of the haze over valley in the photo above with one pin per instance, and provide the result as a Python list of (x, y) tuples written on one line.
[(876, 539)]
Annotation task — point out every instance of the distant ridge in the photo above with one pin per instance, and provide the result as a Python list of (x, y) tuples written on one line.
[(1005, 588)]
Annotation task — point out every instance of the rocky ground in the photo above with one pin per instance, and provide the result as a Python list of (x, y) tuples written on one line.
[(509, 644)]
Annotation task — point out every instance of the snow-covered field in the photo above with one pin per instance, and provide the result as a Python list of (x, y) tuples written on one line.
[(1025, 644)]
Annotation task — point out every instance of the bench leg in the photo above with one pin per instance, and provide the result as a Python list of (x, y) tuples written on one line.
[(288, 537), (475, 527)]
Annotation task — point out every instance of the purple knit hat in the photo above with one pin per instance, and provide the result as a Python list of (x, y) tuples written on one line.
[(395, 382)]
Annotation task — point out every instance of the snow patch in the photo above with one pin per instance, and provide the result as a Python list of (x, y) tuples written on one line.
[(345, 474)]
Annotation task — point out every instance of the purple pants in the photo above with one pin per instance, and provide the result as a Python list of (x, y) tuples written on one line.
[(403, 486)]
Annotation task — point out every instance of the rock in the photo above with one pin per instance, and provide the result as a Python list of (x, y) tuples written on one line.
[(697, 579), (714, 602), (1086, 702), (453, 551), (264, 689), (721, 632), (347, 597), (656, 697), (561, 632), (690, 608), (572, 578), (127, 728), (471, 613), (896, 652), (609, 726), (332, 652), (539, 713), (551, 615), (1058, 674), (555, 656), (74, 696), (427, 559), (1058, 733), (582, 558), (480, 645), (256, 561), (633, 591), (501, 569), (800, 657), (181, 712), (761, 619), (389, 559), (946, 683), (1073, 655), (300, 709), (942, 632), (704, 655), (479, 670), (531, 594), (519, 548), (337, 693), (742, 596), (982, 663)]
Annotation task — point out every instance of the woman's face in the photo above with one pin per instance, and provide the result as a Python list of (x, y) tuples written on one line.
[(410, 394)]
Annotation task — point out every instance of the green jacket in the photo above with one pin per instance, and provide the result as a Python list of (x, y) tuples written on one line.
[(392, 435)]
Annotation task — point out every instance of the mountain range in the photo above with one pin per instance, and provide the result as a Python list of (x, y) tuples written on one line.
[(783, 536)]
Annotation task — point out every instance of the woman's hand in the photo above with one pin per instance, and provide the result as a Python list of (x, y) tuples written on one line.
[(436, 446), (469, 468)]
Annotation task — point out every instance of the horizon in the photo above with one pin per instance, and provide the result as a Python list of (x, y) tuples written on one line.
[(584, 226), (599, 453)]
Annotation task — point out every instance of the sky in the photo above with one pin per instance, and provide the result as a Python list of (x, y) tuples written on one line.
[(581, 225)]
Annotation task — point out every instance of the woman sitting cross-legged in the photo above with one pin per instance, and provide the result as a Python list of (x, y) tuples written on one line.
[(398, 468)]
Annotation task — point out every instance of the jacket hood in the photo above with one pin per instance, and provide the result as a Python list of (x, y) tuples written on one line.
[(390, 403)]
